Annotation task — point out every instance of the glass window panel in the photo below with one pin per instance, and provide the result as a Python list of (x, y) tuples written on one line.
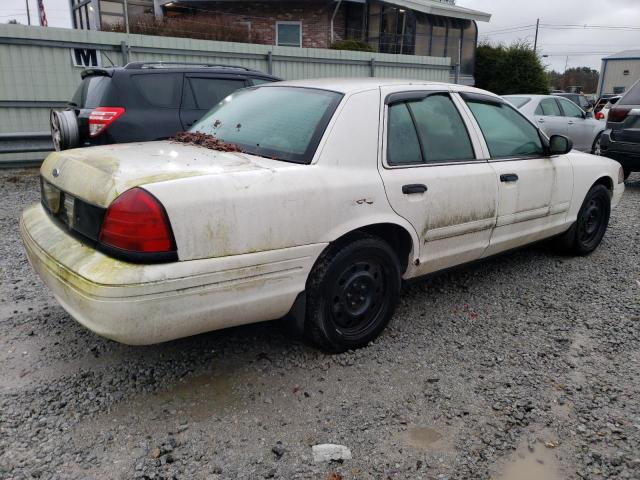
[(469, 41), (441, 129), (160, 89), (403, 147), (549, 107), (507, 133), (423, 35), (281, 122), (289, 34), (570, 108), (207, 92)]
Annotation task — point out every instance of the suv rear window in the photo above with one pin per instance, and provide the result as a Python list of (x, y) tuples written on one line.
[(91, 92), (202, 93), (160, 89), (632, 97)]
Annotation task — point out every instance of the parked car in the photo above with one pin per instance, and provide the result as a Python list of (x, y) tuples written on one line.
[(621, 139), (601, 110), (315, 198), (578, 98), (144, 101), (558, 116)]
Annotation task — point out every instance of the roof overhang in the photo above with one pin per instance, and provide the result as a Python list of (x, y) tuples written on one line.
[(443, 9)]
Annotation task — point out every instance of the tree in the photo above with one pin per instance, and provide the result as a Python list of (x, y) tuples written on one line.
[(13, 21), (585, 77), (510, 69)]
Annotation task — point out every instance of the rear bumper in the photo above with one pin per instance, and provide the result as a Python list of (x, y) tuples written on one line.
[(146, 304), (627, 154)]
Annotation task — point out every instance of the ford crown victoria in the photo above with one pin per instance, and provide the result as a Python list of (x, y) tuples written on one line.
[(311, 198)]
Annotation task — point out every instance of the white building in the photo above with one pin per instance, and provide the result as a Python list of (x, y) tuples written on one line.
[(618, 72)]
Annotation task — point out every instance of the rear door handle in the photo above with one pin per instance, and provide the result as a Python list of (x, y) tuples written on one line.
[(570, 123), (414, 188), (540, 120), (508, 177)]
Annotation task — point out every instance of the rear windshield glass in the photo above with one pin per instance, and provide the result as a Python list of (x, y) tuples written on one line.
[(285, 123), (91, 92), (518, 101), (632, 97)]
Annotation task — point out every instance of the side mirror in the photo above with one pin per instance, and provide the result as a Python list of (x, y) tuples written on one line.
[(559, 145)]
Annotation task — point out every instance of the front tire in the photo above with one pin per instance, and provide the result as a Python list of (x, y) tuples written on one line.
[(352, 292), (596, 149), (593, 218)]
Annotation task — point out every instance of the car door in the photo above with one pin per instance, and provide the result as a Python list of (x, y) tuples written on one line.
[(580, 128), (202, 92), (434, 178), (533, 197), (549, 117)]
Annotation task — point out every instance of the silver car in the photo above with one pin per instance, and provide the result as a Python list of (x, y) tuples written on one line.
[(558, 116)]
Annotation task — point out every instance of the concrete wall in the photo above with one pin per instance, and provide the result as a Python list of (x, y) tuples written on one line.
[(37, 71)]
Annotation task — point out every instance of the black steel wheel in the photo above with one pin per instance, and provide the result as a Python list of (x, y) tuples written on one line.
[(352, 292), (593, 218)]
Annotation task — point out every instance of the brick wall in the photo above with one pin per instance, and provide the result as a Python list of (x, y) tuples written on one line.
[(261, 18)]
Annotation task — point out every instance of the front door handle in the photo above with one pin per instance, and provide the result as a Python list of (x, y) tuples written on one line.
[(414, 188), (508, 177), (570, 123)]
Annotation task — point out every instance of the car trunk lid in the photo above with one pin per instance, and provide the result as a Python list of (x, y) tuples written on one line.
[(98, 175)]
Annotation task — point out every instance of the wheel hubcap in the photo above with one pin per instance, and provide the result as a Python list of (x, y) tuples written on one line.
[(356, 297)]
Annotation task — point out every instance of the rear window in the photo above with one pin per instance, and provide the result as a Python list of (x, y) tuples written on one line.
[(285, 123), (518, 101), (632, 97), (159, 89), (91, 92), (205, 93)]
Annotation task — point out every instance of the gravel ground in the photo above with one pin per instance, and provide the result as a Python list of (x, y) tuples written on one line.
[(521, 367)]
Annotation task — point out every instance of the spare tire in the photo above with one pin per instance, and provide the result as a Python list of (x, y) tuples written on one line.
[(64, 129)]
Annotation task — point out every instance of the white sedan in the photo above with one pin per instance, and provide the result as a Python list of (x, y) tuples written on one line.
[(310, 198)]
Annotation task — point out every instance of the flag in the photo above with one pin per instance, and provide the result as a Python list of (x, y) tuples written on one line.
[(42, 14)]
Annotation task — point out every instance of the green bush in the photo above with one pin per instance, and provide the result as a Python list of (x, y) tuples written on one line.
[(510, 70), (356, 45)]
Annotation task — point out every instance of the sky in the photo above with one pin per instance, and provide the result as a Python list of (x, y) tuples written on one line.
[(573, 47)]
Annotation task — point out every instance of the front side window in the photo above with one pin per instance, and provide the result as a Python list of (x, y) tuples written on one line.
[(289, 34), (159, 89), (548, 107), (426, 131), (570, 109), (507, 133), (284, 123)]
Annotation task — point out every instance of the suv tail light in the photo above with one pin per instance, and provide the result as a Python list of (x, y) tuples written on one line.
[(599, 116), (100, 118), (618, 114), (137, 222)]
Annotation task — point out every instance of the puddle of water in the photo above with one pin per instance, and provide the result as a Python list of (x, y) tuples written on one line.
[(426, 438), (540, 464)]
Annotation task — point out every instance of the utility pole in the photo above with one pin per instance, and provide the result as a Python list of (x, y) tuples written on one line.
[(28, 13), (126, 16), (535, 43)]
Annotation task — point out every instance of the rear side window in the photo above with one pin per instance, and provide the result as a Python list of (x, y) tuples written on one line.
[(549, 108), (507, 133), (430, 130), (205, 93), (570, 109), (91, 93), (159, 89), (403, 145), (632, 97)]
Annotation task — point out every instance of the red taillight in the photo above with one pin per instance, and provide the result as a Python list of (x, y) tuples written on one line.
[(599, 116), (100, 118), (136, 222), (618, 114)]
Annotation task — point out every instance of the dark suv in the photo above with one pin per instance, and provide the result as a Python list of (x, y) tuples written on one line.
[(144, 101), (621, 139)]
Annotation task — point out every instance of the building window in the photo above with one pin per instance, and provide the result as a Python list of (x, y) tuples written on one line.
[(618, 90), (626, 72), (289, 34)]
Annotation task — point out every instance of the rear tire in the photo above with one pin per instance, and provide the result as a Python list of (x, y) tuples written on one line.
[(352, 292), (593, 218), (596, 149), (64, 129)]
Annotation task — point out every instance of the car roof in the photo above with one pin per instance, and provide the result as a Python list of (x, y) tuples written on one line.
[(139, 67), (361, 84)]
